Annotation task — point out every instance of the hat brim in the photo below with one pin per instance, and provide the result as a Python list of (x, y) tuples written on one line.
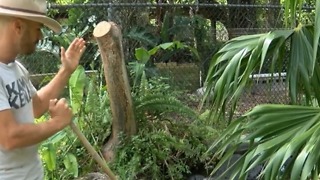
[(46, 21)]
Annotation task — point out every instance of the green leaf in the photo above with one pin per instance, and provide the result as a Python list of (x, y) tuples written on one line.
[(165, 28), (300, 65), (77, 83), (231, 68), (138, 70), (316, 34), (55, 138), (153, 50), (167, 45), (71, 164), (311, 163), (274, 37), (142, 55), (293, 11), (49, 156), (278, 132), (92, 96)]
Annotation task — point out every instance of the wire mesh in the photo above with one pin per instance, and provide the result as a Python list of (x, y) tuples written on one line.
[(201, 27)]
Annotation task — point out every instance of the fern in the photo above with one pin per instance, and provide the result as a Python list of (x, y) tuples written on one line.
[(163, 104), (167, 151)]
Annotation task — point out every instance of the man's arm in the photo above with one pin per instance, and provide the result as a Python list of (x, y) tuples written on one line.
[(51, 91), (17, 135), (69, 60)]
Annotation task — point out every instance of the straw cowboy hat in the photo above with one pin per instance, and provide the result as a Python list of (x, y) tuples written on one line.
[(34, 10)]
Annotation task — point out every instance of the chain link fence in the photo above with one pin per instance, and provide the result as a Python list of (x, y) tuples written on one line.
[(202, 28)]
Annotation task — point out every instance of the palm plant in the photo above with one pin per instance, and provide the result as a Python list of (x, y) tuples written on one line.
[(283, 138)]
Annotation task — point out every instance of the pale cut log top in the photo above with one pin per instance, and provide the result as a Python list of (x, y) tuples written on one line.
[(102, 29)]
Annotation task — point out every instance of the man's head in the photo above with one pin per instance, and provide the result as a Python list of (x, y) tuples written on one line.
[(33, 10), (22, 20), (20, 35), (27, 35)]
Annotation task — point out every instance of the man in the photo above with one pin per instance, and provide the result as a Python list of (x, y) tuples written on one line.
[(20, 30)]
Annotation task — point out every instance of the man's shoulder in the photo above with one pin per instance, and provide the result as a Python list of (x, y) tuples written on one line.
[(19, 64), (21, 67)]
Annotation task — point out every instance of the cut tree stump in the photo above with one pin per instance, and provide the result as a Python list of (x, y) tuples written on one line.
[(109, 38)]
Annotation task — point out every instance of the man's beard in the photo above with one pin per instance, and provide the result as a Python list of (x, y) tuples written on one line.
[(28, 50)]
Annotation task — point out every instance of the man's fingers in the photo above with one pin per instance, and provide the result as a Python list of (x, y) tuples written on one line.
[(66, 106), (63, 100), (75, 43), (78, 45), (53, 102), (79, 41), (83, 49), (63, 53)]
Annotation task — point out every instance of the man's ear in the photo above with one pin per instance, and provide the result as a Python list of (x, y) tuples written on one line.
[(18, 25)]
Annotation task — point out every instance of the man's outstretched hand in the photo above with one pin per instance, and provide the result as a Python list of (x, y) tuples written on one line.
[(70, 57)]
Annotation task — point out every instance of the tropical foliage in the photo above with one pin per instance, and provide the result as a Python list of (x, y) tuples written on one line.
[(172, 138), (63, 155), (165, 146), (171, 141), (283, 138)]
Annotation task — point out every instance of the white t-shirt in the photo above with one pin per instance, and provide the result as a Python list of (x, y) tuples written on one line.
[(16, 92)]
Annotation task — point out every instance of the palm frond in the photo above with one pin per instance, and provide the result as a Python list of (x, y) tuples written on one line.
[(316, 33), (282, 136), (292, 13), (301, 62), (232, 66)]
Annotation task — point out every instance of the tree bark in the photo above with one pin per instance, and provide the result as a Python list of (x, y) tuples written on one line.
[(109, 39)]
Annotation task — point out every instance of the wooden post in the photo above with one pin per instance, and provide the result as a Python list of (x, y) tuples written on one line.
[(109, 39)]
